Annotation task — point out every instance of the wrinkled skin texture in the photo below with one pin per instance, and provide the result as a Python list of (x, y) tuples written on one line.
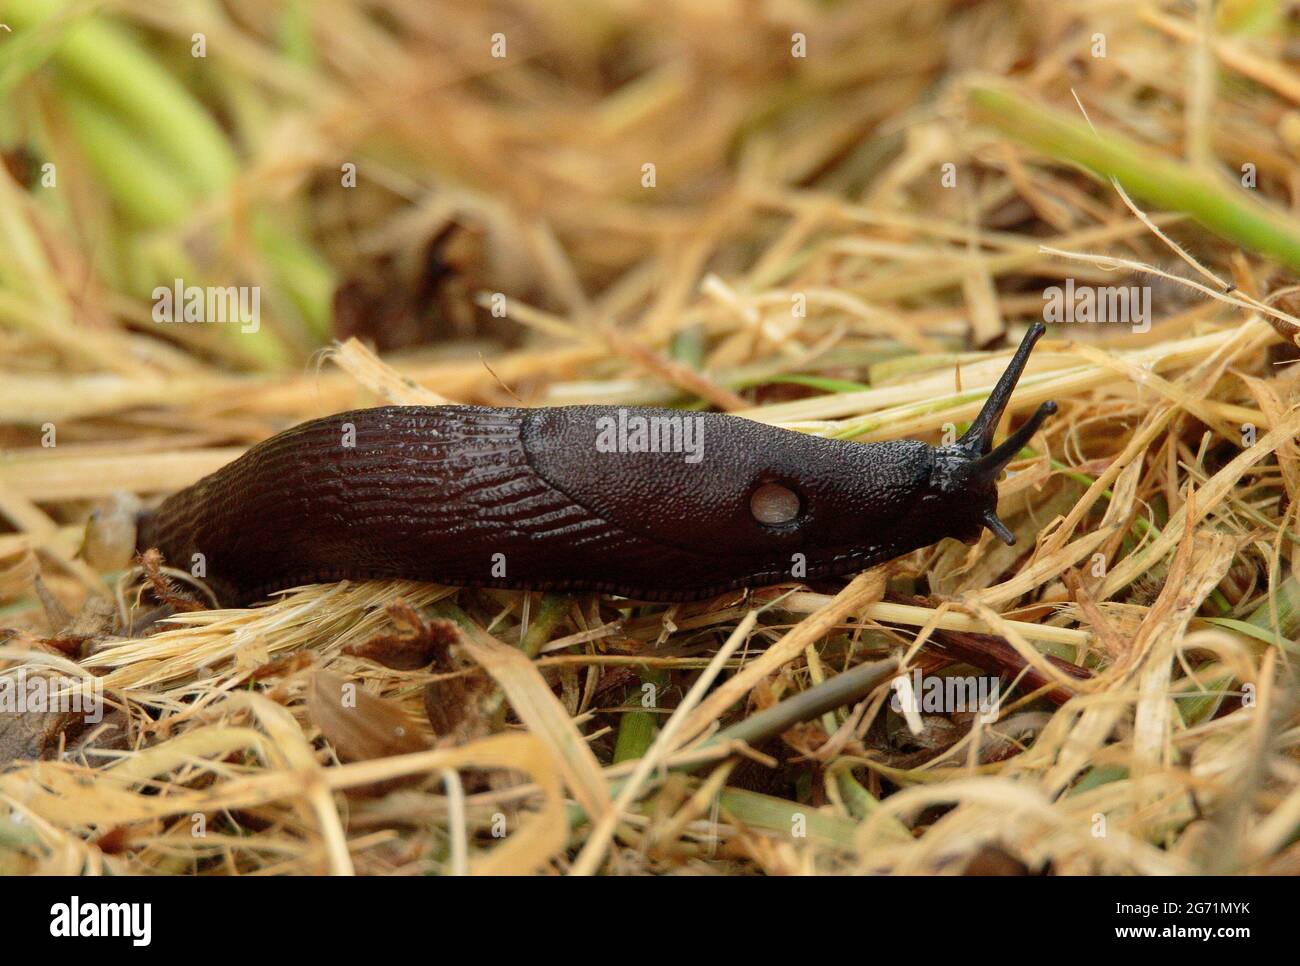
[(451, 494)]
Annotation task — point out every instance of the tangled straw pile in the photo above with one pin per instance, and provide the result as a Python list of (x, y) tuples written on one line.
[(833, 243)]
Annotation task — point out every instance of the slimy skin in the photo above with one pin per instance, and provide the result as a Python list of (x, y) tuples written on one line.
[(654, 504)]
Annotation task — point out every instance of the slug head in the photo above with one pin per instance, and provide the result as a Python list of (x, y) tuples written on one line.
[(965, 473)]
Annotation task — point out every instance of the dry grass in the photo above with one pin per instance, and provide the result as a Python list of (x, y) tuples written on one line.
[(1157, 533)]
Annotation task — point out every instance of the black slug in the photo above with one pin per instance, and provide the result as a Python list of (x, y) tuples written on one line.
[(655, 504)]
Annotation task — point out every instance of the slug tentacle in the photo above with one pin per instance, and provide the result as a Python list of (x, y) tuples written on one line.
[(979, 438), (1000, 529), (992, 462), (971, 465)]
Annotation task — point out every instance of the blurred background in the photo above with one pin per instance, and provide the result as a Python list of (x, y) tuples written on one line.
[(380, 169)]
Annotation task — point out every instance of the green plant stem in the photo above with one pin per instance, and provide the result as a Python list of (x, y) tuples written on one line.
[(1216, 204), (833, 693), (101, 58), (143, 187), (159, 151), (636, 729), (552, 610)]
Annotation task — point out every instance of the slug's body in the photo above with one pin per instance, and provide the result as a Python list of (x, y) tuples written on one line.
[(572, 499)]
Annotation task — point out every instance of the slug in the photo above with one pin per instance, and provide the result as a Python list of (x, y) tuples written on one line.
[(653, 504)]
